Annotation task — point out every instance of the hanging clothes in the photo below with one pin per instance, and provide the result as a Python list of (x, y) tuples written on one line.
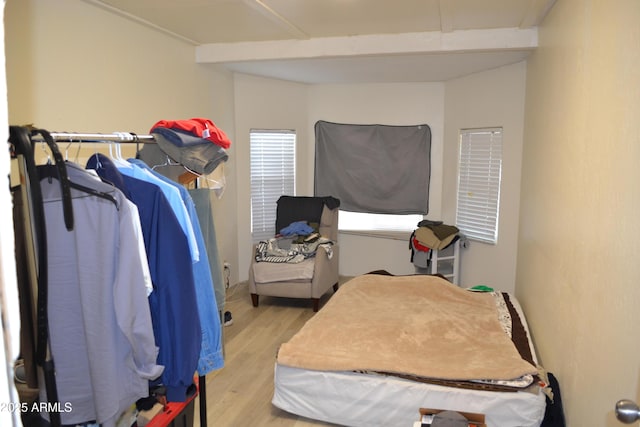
[(173, 197), (148, 360), (202, 200), (211, 357), (173, 303), (100, 326)]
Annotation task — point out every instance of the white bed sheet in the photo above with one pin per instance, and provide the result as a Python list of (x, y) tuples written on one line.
[(359, 399)]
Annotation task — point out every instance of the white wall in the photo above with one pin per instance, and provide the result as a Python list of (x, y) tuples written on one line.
[(9, 301), (262, 102), (492, 98), (265, 104), (578, 266), (74, 67)]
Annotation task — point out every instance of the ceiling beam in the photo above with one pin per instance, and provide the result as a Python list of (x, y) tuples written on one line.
[(378, 44)]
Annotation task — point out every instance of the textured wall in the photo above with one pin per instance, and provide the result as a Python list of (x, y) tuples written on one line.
[(579, 244)]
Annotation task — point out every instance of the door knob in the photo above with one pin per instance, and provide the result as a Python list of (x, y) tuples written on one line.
[(627, 411)]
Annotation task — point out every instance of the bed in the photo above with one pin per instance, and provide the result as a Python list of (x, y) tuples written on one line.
[(384, 346)]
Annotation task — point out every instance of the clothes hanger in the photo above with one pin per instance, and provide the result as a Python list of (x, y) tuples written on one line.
[(66, 151), (115, 153), (168, 162), (59, 172), (48, 171)]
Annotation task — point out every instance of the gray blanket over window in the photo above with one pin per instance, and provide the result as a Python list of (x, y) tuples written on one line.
[(374, 168)]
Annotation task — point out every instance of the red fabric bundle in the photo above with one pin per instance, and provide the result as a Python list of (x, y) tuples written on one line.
[(202, 128)]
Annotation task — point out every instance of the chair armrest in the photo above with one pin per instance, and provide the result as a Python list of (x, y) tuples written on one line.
[(326, 271)]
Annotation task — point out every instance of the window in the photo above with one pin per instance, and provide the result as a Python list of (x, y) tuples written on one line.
[(358, 221), (273, 165), (380, 173), (479, 173)]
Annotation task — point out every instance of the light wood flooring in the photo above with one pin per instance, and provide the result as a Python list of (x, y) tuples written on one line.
[(239, 394)]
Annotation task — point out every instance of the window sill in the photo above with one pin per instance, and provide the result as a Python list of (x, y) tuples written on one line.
[(380, 234)]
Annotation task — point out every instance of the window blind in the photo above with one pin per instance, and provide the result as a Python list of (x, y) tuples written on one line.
[(272, 175), (479, 175)]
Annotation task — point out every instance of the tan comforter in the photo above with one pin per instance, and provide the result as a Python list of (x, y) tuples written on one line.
[(416, 325)]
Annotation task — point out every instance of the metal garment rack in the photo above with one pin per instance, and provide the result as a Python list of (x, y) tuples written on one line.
[(100, 137), (127, 138)]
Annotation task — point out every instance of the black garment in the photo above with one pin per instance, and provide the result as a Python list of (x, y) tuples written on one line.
[(291, 209), (554, 414)]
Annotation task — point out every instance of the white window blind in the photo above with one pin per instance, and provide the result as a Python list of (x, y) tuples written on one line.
[(479, 174), (272, 175)]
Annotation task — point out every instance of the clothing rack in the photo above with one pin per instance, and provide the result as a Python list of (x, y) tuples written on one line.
[(127, 138), (99, 137)]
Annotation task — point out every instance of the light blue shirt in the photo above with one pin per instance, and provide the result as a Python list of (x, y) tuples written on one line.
[(173, 196)]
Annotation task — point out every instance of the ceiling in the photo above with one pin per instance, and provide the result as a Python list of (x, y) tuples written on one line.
[(343, 41)]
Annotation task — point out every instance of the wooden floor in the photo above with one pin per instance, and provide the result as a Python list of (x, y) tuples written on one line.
[(240, 393)]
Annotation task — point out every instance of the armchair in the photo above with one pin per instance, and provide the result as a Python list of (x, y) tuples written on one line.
[(312, 277)]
